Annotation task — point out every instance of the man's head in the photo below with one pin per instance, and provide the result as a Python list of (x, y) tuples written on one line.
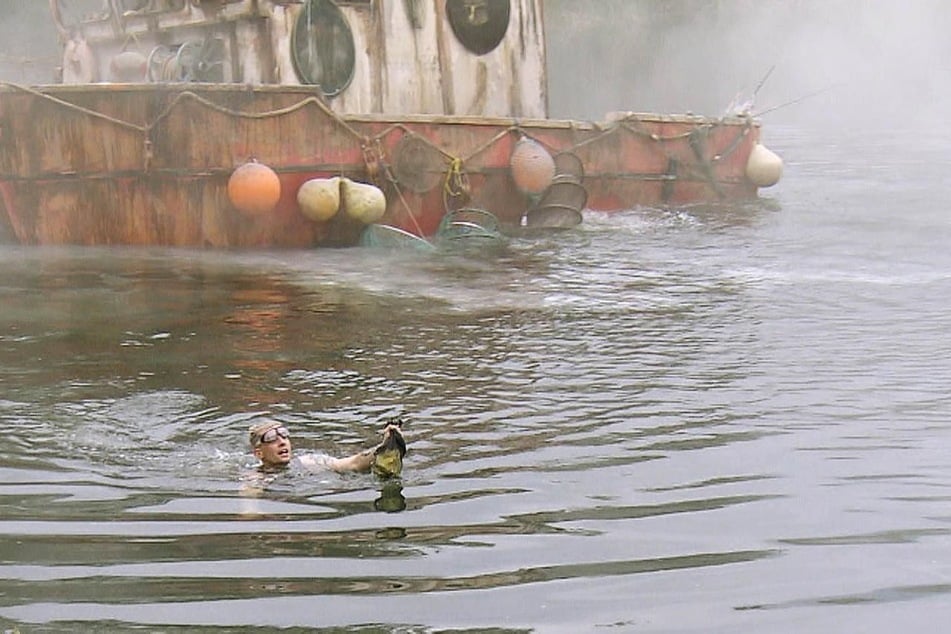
[(271, 443)]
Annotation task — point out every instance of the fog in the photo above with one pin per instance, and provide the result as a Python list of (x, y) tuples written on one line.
[(845, 62), (871, 63), (28, 42)]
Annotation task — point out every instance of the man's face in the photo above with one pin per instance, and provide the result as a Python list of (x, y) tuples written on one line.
[(278, 451)]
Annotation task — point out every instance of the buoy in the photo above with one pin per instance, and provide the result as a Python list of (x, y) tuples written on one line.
[(363, 202), (128, 66), (79, 63), (764, 168), (532, 166), (254, 188), (319, 198)]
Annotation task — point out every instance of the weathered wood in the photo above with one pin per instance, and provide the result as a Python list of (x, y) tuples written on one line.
[(404, 63), (150, 164)]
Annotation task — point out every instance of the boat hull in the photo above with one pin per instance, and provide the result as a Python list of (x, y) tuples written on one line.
[(149, 164)]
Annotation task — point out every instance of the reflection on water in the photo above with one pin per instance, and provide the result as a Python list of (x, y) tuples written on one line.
[(718, 418)]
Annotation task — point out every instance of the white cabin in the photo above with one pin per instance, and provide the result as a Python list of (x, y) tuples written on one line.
[(398, 57)]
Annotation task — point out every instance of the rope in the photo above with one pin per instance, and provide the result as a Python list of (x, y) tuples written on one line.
[(406, 207), (703, 168), (456, 182), (187, 94), (735, 144), (485, 146), (72, 106)]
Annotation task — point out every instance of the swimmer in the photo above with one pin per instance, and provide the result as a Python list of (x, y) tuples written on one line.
[(271, 444)]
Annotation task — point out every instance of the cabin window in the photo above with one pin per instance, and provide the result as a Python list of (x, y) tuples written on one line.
[(322, 47), (479, 25)]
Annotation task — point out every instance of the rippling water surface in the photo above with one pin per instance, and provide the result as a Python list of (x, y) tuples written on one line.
[(707, 419)]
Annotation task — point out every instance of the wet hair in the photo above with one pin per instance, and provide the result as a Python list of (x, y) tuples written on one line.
[(256, 431)]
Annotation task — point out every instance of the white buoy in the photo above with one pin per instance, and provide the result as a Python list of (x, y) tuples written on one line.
[(128, 66), (319, 198), (79, 62), (764, 167), (363, 201)]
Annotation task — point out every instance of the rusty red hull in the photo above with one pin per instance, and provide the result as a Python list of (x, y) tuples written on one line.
[(149, 165)]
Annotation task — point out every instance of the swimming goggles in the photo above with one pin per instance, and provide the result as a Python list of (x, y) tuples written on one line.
[(271, 435)]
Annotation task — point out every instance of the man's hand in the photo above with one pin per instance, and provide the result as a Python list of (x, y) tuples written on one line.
[(392, 437), (388, 455)]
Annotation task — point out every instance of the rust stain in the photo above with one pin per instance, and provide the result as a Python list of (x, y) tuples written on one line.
[(482, 89), (88, 185), (445, 61)]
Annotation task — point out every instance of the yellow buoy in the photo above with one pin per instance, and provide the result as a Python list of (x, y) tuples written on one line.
[(254, 188), (363, 202), (532, 166), (319, 198), (764, 168)]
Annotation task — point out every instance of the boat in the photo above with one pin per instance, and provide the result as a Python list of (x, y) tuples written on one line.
[(439, 105)]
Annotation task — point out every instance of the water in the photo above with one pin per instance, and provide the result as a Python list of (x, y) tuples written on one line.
[(709, 419)]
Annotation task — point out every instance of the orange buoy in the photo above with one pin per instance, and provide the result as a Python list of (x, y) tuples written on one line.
[(254, 188), (532, 166)]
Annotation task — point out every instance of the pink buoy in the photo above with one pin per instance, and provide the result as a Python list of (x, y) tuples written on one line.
[(532, 166)]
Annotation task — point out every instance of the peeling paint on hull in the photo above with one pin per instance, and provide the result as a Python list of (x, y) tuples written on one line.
[(149, 164)]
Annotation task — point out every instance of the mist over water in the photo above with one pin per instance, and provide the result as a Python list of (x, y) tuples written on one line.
[(875, 64), (715, 418), (878, 64)]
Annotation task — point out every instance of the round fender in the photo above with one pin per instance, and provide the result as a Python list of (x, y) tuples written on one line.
[(764, 168), (79, 62)]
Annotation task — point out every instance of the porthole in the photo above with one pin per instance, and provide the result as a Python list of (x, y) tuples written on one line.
[(322, 47), (479, 25)]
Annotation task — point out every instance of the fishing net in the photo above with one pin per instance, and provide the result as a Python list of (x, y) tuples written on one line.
[(469, 229), (472, 215), (560, 205), (568, 164), (417, 165), (388, 237)]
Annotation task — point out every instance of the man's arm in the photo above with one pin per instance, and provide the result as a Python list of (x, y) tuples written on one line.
[(357, 463), (362, 462)]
